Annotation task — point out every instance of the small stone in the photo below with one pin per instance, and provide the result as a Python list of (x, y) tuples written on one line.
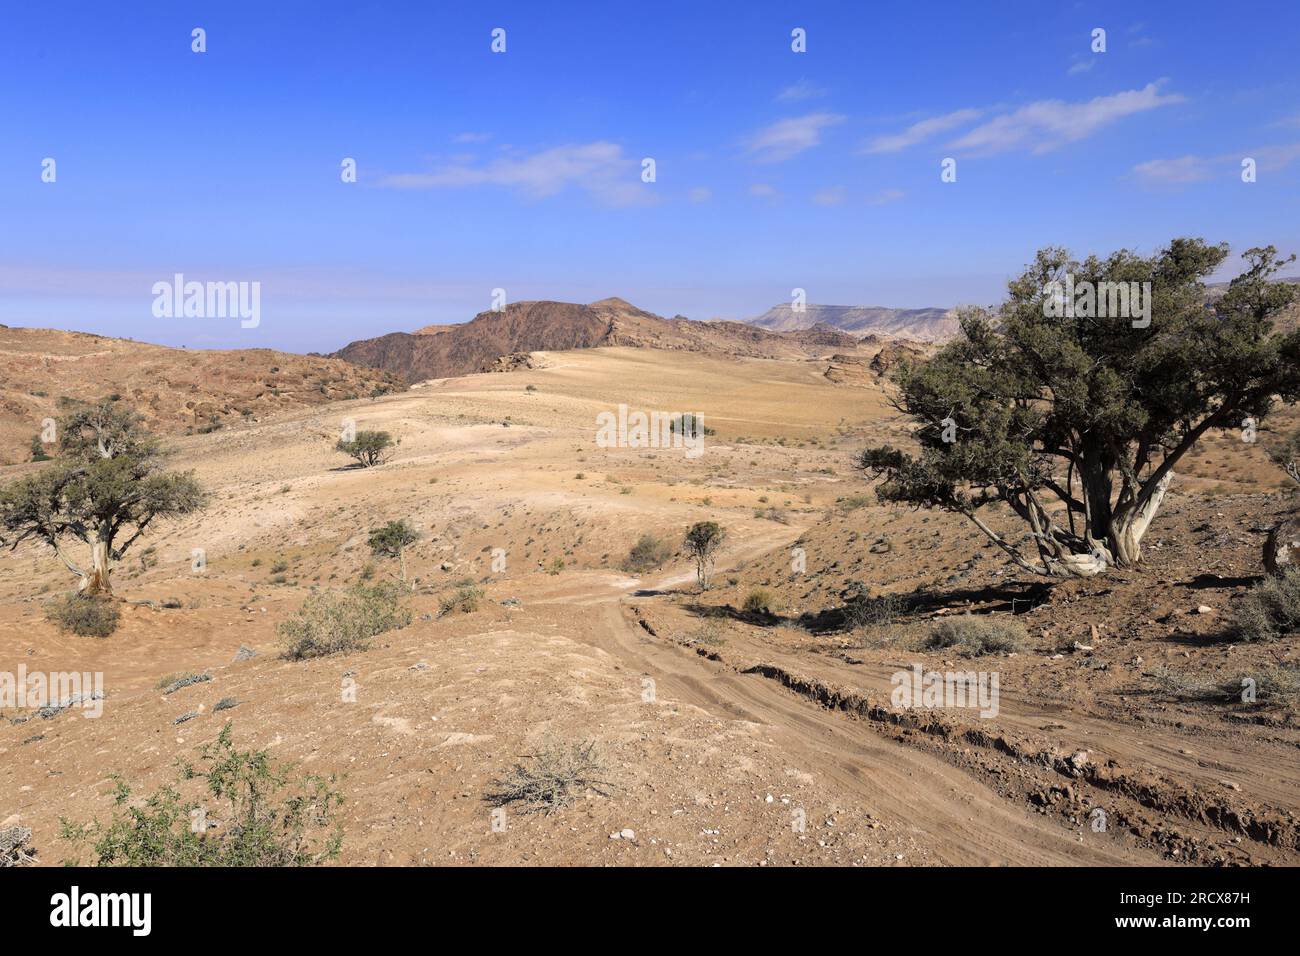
[(627, 834), (1205, 609)]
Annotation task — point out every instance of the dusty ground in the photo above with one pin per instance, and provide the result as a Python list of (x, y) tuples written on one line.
[(753, 722)]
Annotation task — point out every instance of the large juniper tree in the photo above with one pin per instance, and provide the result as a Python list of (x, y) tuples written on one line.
[(1077, 423), (106, 487)]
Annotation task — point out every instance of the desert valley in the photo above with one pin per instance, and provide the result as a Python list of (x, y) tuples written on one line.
[(555, 613)]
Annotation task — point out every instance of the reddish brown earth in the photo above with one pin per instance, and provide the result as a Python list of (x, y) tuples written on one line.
[(175, 389), (475, 346)]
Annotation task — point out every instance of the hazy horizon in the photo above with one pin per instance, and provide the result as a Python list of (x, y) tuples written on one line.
[(523, 170)]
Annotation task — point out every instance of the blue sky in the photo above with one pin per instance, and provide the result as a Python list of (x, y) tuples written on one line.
[(522, 170)]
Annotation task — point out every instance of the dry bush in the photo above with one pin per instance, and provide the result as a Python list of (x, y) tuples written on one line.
[(1270, 610), (334, 622), (556, 777), (973, 636), (86, 616), (465, 599), (649, 552)]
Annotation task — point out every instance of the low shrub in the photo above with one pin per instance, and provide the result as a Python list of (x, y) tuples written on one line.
[(85, 616), (973, 636), (334, 622), (1269, 610)]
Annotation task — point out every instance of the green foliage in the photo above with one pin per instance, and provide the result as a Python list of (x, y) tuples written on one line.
[(84, 615), (1077, 423), (107, 482), (390, 540), (690, 426), (1270, 610), (649, 553), (465, 599), (236, 808), (369, 448), (973, 636), (335, 622)]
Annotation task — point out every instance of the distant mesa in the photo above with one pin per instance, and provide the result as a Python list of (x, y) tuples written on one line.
[(924, 325)]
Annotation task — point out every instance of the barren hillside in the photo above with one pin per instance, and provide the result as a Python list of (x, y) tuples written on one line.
[(475, 346), (177, 390)]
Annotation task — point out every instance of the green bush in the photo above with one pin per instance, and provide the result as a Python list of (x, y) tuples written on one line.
[(649, 552), (334, 622), (1270, 610), (86, 616), (973, 636), (253, 813), (464, 599)]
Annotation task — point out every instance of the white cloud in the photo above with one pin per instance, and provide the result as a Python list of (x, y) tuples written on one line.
[(763, 191), (1081, 66), (1185, 169), (600, 168), (885, 197), (802, 90), (700, 194), (919, 132), (1049, 124), (831, 196), (789, 137)]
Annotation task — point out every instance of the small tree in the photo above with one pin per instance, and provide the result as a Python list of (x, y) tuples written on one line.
[(702, 543), (391, 541), (369, 448), (38, 449), (107, 483), (1076, 423)]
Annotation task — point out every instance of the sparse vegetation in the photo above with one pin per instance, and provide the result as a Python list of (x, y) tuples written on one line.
[(760, 602), (335, 622), (254, 810), (972, 636), (555, 778), (1270, 610), (649, 552), (464, 599), (84, 615)]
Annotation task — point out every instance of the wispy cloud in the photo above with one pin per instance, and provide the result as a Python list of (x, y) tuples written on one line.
[(885, 197), (763, 191), (471, 137), (919, 132), (599, 168), (831, 196), (804, 89), (700, 194), (790, 137), (1180, 171), (1049, 124), (1081, 66), (1195, 169)]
